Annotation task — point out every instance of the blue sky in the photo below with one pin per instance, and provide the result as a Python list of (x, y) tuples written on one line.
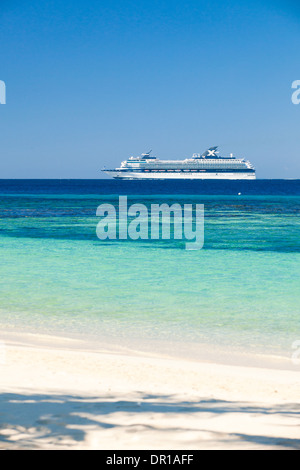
[(90, 83)]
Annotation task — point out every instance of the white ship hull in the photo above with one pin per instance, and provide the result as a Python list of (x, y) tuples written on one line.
[(131, 175)]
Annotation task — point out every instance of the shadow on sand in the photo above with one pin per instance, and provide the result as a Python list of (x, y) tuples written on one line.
[(41, 421)]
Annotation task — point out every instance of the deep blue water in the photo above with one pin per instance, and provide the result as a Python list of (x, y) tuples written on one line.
[(107, 186)]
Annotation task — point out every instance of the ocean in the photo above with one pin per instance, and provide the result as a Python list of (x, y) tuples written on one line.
[(239, 296)]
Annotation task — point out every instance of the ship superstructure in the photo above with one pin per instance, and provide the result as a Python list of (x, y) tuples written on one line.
[(208, 165)]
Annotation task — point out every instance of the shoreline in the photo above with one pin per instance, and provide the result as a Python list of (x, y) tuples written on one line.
[(176, 350), (56, 394)]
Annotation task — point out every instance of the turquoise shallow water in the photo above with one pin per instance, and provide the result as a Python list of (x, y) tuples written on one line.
[(240, 292)]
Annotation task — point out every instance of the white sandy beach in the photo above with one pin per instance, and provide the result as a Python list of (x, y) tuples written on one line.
[(56, 395)]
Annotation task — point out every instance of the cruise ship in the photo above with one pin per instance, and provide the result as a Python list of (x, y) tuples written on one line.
[(208, 165)]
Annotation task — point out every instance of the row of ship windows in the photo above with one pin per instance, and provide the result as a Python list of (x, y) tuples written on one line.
[(216, 165), (192, 170), (207, 167)]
